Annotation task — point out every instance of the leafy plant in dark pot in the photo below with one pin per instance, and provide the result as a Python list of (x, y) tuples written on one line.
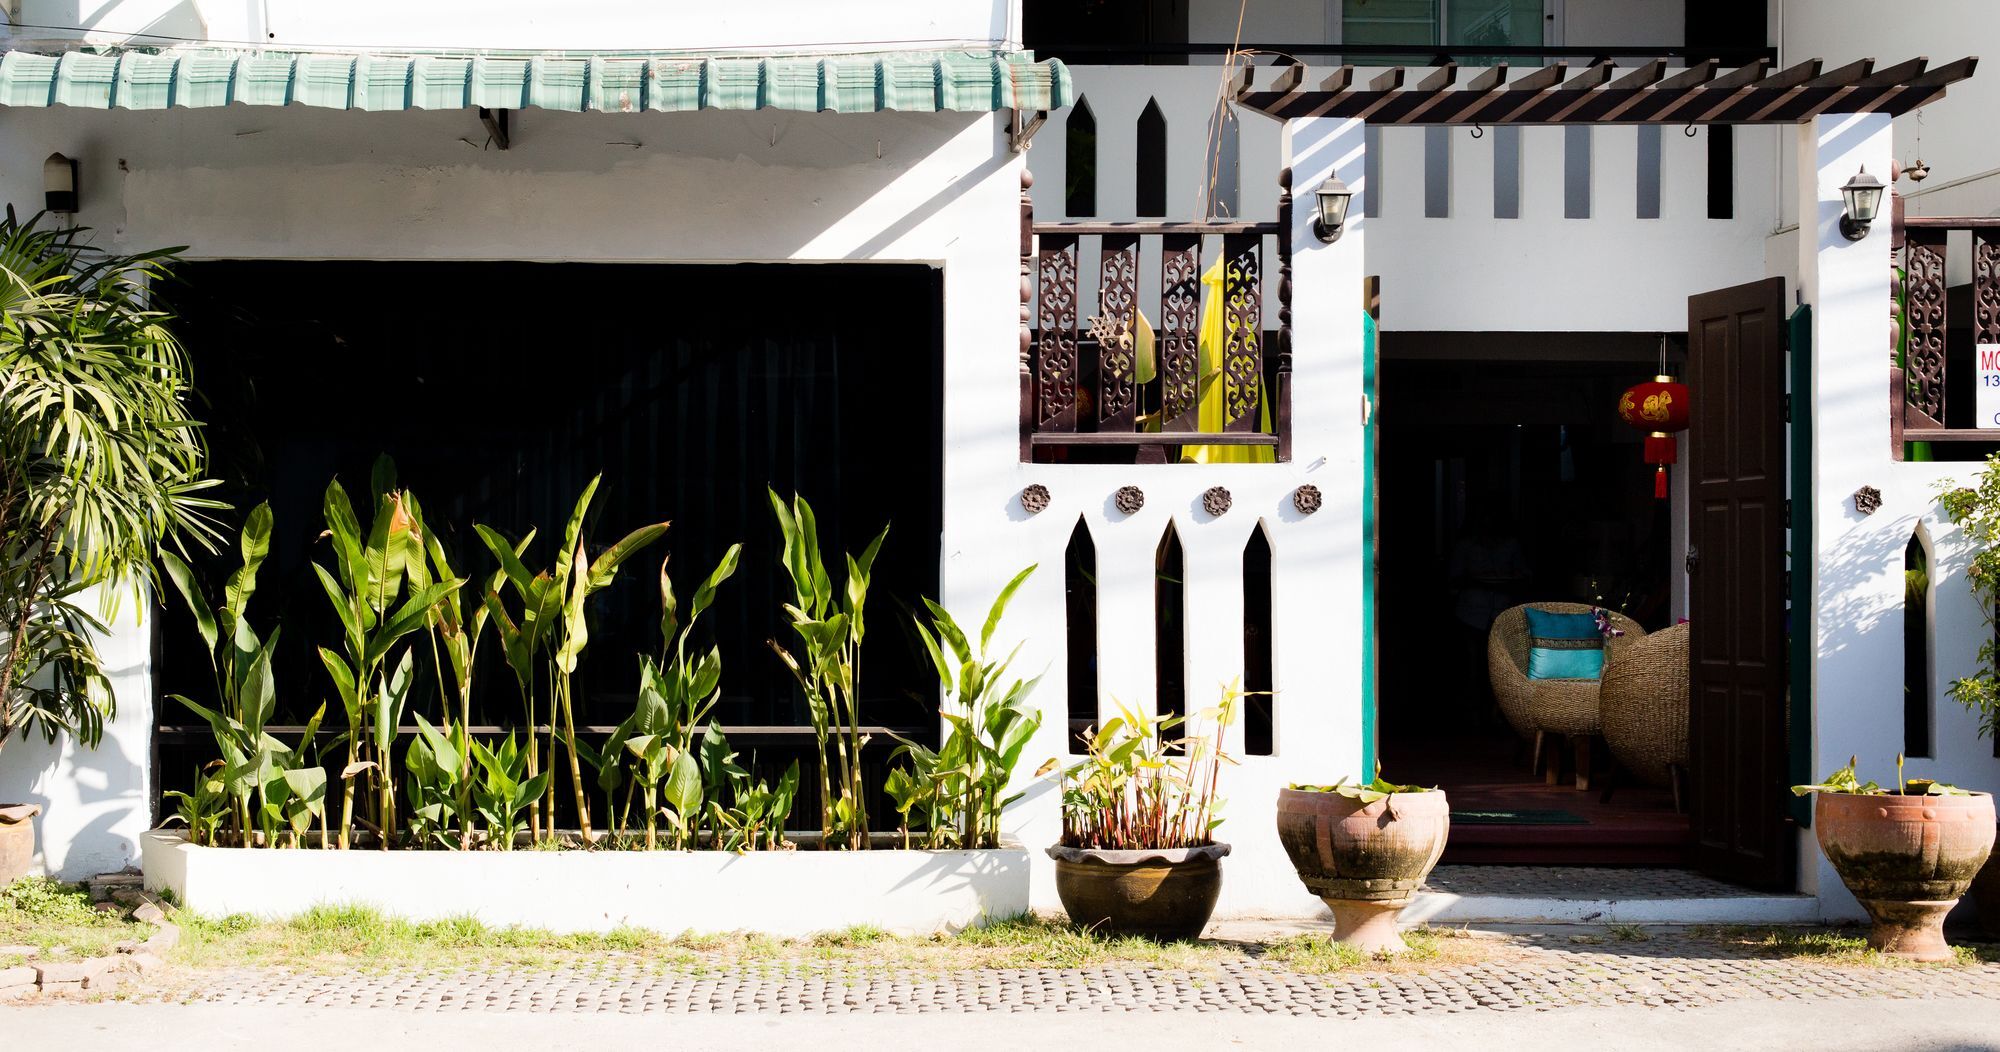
[(1138, 854)]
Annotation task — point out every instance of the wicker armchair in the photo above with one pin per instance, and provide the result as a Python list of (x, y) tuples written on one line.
[(1644, 701), (1536, 708)]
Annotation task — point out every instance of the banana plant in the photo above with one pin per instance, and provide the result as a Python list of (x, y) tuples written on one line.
[(504, 790), (366, 590), (753, 816), (522, 636), (456, 624), (203, 810), (677, 691), (558, 600), (963, 785), (827, 663), (437, 768), (239, 662)]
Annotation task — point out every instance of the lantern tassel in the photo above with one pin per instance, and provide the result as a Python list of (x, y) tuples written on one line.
[(1660, 483)]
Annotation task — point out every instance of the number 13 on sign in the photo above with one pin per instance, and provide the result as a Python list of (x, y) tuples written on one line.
[(1988, 400)]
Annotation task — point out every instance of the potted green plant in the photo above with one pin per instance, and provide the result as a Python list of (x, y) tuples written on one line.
[(1907, 853), (1138, 854), (1364, 848), (100, 464)]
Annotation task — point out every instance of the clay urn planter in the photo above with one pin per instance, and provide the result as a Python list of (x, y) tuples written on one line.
[(1364, 853), (1908, 858), (17, 840), (1164, 893)]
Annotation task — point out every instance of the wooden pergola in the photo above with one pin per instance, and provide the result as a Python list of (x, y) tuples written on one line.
[(1645, 94)]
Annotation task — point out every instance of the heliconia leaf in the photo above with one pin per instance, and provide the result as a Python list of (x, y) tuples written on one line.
[(507, 555), (183, 581), (725, 569), (353, 769), (1000, 607), (605, 569), (254, 544), (343, 682)]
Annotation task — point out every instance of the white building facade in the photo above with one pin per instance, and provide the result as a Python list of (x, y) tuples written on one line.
[(1466, 233)]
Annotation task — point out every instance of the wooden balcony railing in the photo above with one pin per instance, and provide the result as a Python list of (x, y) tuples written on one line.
[(1081, 398), (1939, 348)]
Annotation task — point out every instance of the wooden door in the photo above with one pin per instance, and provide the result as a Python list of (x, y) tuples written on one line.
[(1736, 559)]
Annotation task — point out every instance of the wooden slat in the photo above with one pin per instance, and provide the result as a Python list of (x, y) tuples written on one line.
[(1117, 355), (1952, 222), (1198, 227), (1175, 342), (1157, 438), (1986, 287), (1441, 78), (1924, 300), (1243, 331), (1056, 340), (1789, 83), (1697, 95), (1331, 90)]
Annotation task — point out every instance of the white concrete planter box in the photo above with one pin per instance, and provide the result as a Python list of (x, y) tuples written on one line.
[(784, 893)]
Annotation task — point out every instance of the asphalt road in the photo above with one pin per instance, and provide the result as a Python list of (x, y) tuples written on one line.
[(1825, 1025)]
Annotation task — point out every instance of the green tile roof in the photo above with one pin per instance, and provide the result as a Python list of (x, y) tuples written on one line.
[(965, 81)]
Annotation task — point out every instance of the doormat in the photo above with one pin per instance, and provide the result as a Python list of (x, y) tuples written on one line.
[(1522, 817)]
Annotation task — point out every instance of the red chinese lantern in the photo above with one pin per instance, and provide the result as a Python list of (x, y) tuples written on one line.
[(1658, 407)]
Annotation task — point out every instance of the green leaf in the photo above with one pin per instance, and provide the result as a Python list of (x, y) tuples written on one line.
[(183, 581), (1000, 607), (254, 545), (683, 789), (605, 569)]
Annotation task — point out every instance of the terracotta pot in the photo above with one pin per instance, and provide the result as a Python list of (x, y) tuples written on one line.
[(1165, 894), (1908, 859), (1986, 897), (1364, 860), (17, 839)]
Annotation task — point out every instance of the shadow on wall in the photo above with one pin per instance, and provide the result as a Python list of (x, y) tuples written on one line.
[(94, 801), (176, 19)]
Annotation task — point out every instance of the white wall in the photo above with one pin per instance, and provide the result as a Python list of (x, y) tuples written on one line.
[(1857, 565), (303, 183), (95, 802), (1954, 136), (1470, 271), (532, 25)]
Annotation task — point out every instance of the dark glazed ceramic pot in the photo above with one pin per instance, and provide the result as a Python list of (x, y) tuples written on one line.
[(1164, 894)]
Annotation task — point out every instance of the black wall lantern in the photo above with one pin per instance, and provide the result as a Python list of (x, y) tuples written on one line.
[(59, 183), (1860, 200), (1333, 197)]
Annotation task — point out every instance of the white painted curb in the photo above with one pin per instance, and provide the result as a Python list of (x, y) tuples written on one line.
[(783, 893), (1447, 908)]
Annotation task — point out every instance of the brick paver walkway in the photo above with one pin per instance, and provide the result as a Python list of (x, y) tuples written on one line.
[(1528, 971)]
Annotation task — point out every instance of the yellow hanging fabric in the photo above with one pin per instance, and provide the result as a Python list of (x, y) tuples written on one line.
[(1211, 340)]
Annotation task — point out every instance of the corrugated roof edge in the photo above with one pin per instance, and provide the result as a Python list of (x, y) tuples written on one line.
[(193, 78)]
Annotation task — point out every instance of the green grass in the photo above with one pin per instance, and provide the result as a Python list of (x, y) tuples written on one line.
[(1835, 946), (1626, 933), (337, 938), (1319, 955), (59, 922)]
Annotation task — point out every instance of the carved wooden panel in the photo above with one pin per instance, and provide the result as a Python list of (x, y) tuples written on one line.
[(1176, 344), (1242, 321), (1055, 358), (1117, 333), (1985, 286), (1924, 357)]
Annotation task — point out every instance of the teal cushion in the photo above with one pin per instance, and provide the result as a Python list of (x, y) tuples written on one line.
[(1564, 646)]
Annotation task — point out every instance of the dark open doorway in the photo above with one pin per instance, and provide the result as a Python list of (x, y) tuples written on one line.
[(501, 388), (1507, 478)]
